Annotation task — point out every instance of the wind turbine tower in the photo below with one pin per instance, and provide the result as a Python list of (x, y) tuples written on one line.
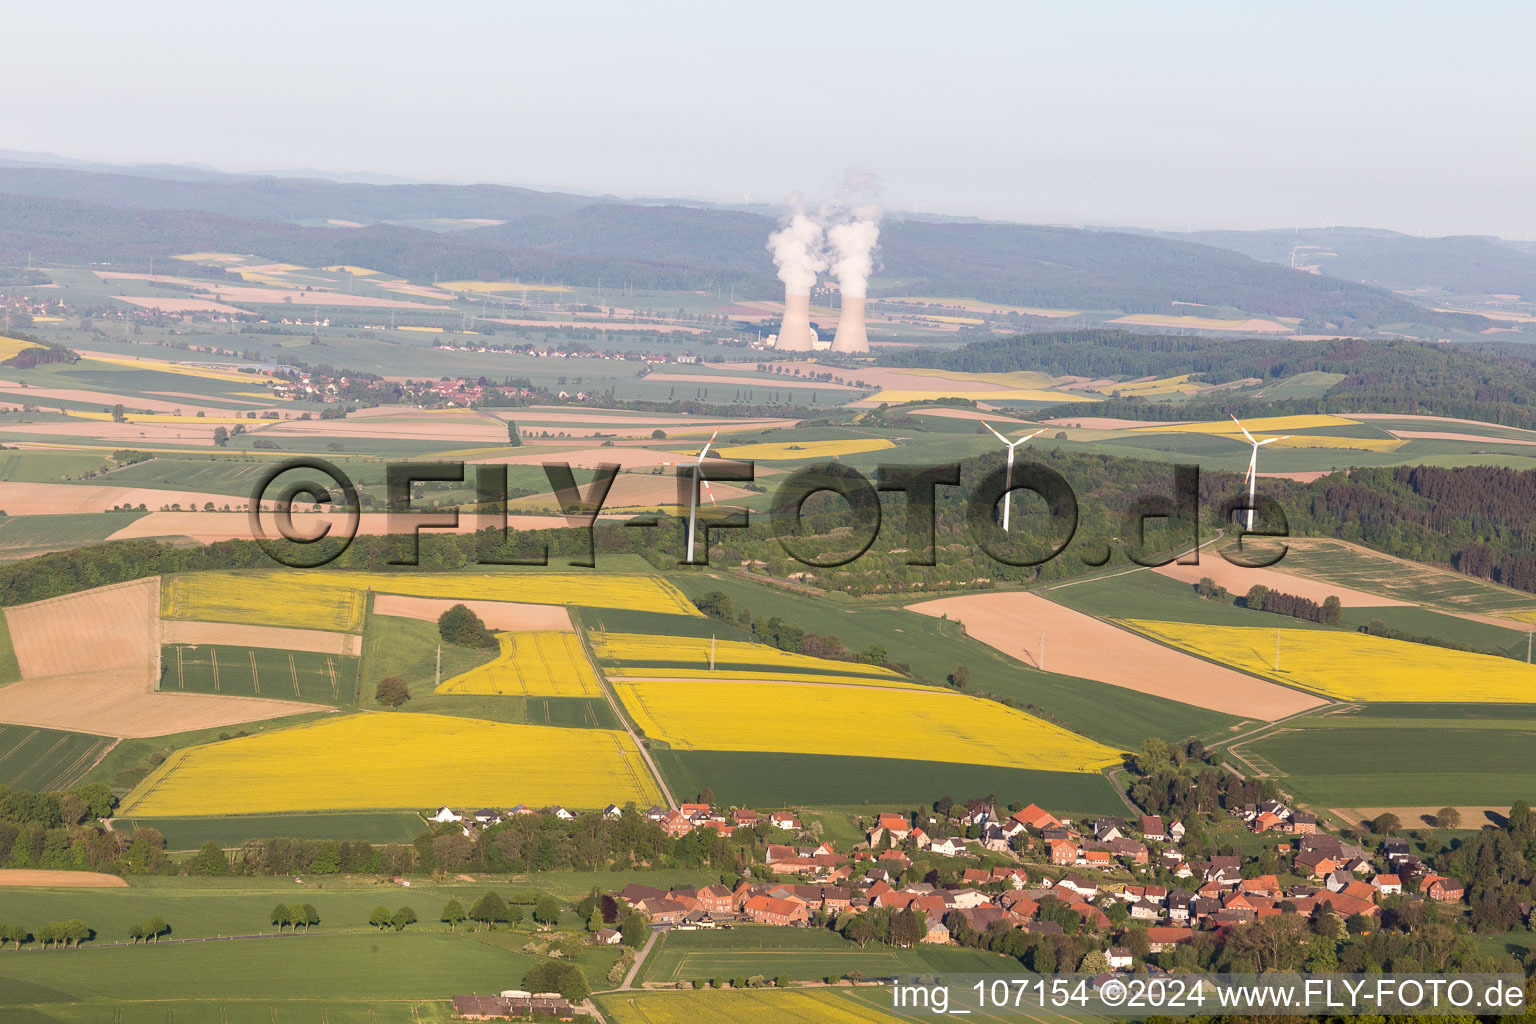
[(1252, 476), (1008, 478), (696, 471)]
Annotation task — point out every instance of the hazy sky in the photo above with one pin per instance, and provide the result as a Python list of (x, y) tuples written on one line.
[(1403, 115)]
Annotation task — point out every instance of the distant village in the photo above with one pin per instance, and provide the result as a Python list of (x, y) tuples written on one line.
[(1046, 857)]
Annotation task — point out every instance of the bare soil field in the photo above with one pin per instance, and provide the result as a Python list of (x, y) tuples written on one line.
[(61, 879), (1443, 435), (90, 661), (165, 305), (208, 527), (507, 616), (587, 458), (1104, 423), (965, 414), (109, 627), (1081, 645), (442, 428), (190, 406), (29, 499), (1413, 817), (1301, 478), (187, 631), (1240, 580), (117, 433), (245, 293)]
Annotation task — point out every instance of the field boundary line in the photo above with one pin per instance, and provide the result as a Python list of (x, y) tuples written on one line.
[(618, 709)]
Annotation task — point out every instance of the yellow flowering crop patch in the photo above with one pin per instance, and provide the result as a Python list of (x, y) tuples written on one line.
[(333, 599), (1354, 666), (804, 449), (540, 663), (387, 760), (180, 369), (1271, 424), (639, 654), (1363, 444), (749, 1006), (9, 347), (808, 718), (898, 396)]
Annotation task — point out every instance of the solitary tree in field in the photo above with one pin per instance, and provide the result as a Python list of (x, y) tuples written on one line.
[(210, 860), (1448, 817), (1386, 824), (156, 927), (460, 625), (403, 917), (379, 918), (392, 691), (311, 916), (453, 913), (281, 916)]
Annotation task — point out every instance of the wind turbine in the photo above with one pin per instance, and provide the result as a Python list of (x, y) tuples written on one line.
[(1008, 478), (1252, 476), (696, 468)]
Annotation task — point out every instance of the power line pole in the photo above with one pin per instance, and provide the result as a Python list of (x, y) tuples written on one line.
[(439, 674), (1042, 652), (711, 652), (1277, 650)]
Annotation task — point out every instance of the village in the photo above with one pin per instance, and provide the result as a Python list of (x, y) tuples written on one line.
[(1123, 883)]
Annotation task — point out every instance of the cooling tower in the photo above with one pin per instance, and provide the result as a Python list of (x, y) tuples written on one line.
[(850, 336), (795, 332)]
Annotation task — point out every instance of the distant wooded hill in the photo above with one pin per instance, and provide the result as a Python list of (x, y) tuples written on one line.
[(57, 214)]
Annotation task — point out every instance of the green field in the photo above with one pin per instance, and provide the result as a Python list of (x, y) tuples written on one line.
[(10, 671), (26, 536), (1371, 760), (1480, 636), (394, 646), (44, 760), (259, 672), (229, 831), (784, 780), (934, 647), (804, 954), (1360, 568), (1137, 595)]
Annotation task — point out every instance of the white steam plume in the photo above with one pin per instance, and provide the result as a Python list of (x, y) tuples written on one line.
[(852, 241), (799, 249)]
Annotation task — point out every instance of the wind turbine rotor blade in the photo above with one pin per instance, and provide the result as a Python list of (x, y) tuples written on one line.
[(707, 445), (1243, 429), (995, 434), (1267, 440)]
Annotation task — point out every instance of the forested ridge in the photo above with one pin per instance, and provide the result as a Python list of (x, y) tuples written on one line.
[(1492, 383)]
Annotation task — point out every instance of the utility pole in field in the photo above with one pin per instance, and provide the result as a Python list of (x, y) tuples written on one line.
[(1277, 650), (711, 652), (438, 676)]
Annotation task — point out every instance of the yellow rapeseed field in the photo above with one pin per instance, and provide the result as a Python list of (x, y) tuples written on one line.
[(919, 723), (387, 760), (749, 1006), (161, 366), (1269, 424), (804, 449), (1364, 444), (264, 598), (1354, 666), (333, 599), (540, 663), (640, 654), (9, 347)]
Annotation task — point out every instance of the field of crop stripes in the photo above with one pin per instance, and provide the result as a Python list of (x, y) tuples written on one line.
[(258, 672), (42, 760)]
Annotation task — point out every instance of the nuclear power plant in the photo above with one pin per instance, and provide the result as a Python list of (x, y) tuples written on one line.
[(795, 334), (850, 336), (805, 246)]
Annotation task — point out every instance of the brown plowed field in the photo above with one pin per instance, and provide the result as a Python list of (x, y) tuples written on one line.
[(1081, 645), (508, 616), (61, 879), (186, 631), (1240, 580), (89, 663)]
